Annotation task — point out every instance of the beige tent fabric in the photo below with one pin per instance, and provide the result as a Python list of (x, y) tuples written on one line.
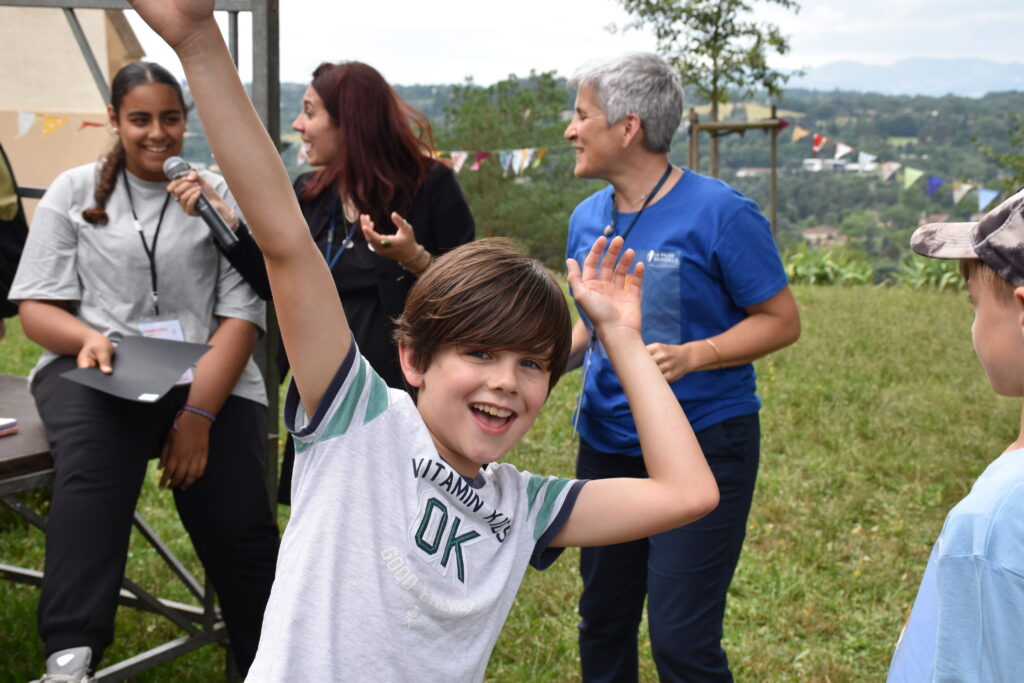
[(43, 73)]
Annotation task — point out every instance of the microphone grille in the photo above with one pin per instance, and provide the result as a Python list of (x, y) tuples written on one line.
[(175, 167)]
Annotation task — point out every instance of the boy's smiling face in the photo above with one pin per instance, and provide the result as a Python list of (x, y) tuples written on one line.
[(478, 403)]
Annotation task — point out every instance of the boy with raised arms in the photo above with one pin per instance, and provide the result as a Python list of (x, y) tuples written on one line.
[(404, 552)]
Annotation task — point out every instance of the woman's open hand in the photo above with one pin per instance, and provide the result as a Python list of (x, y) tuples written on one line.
[(401, 246)]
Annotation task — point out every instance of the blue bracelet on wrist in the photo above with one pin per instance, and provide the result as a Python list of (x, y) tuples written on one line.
[(188, 408)]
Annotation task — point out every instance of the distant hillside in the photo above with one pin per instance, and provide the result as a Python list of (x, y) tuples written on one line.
[(920, 76)]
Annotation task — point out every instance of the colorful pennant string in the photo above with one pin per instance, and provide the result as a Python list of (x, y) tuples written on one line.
[(934, 182), (911, 176), (985, 197), (819, 142), (960, 190)]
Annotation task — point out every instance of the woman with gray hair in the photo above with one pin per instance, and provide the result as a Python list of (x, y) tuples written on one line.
[(715, 298)]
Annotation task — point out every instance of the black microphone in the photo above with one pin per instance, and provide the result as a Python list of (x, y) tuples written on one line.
[(175, 167)]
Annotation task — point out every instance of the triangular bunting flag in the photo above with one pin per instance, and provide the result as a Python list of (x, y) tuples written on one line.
[(90, 124), (506, 156), (985, 197), (819, 142), (458, 159), (524, 159), (26, 119), (541, 153), (842, 150), (52, 123), (480, 157), (799, 133), (910, 176), (864, 159), (960, 190), (934, 182), (782, 124), (890, 167)]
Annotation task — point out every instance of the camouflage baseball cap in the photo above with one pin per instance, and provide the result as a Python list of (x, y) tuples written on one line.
[(997, 239)]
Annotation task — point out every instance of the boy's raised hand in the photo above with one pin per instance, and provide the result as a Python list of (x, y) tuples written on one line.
[(605, 288), (174, 20), (679, 487)]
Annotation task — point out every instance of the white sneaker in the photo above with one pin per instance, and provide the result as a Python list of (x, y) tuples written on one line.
[(68, 666)]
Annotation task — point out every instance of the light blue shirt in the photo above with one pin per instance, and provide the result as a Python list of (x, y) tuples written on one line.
[(967, 623)]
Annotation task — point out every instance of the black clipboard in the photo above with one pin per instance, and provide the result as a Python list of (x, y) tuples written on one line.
[(145, 368)]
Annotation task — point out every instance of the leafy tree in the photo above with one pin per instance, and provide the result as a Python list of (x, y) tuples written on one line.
[(717, 51), (533, 207), (860, 223), (1013, 161)]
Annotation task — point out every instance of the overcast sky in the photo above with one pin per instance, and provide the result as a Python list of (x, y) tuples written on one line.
[(412, 41)]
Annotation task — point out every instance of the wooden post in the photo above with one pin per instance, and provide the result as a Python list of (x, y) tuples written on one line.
[(694, 140), (713, 142), (775, 173)]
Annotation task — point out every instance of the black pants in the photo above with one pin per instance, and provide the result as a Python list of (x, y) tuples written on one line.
[(101, 446), (684, 573)]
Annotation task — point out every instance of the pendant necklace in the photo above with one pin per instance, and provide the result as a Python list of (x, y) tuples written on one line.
[(609, 230), (346, 243)]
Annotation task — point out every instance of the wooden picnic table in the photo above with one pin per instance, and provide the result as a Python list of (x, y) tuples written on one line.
[(25, 463), (26, 453)]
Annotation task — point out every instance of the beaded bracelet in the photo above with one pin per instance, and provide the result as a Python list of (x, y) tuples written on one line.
[(414, 259), (188, 408)]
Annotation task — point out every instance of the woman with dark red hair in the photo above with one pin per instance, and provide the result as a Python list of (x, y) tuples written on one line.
[(375, 157)]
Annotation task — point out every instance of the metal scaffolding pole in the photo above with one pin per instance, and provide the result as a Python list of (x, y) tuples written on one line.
[(266, 90)]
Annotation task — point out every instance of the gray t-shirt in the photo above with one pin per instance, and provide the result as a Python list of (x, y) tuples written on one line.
[(105, 272), (394, 567)]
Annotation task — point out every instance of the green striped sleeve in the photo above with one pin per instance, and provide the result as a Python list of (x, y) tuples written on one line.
[(543, 492), (365, 399), (377, 402)]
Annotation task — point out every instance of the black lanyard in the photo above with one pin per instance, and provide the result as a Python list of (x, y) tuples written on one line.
[(150, 251), (609, 229)]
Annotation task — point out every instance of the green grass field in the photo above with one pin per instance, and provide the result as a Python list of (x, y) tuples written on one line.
[(875, 423), (896, 141)]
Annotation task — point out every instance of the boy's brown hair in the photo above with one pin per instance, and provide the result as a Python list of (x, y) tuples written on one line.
[(978, 270), (487, 295)]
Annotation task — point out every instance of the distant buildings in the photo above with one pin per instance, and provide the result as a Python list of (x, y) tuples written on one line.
[(819, 165), (933, 218), (824, 236)]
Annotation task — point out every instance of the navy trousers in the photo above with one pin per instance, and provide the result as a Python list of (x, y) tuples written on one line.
[(101, 446), (684, 573)]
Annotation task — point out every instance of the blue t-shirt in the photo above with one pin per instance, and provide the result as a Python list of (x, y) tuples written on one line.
[(709, 253), (967, 623)]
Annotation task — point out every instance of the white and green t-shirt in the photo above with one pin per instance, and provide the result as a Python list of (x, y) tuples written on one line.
[(394, 567)]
